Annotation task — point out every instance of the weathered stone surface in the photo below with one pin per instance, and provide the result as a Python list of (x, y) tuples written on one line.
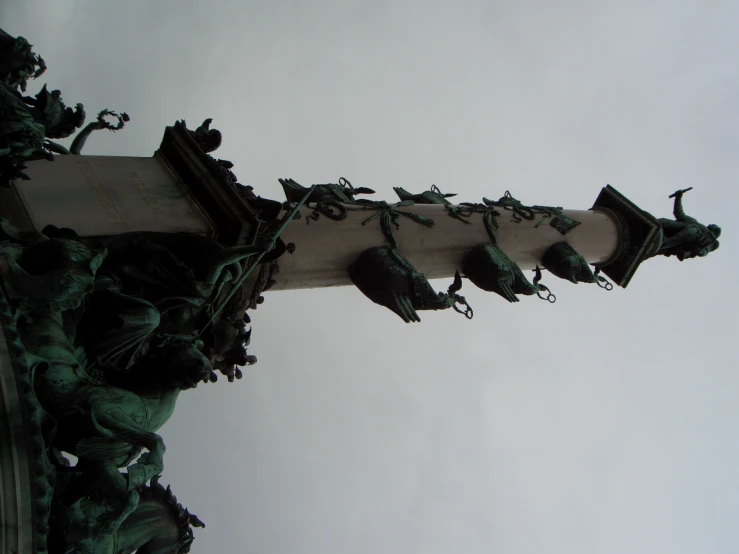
[(115, 194)]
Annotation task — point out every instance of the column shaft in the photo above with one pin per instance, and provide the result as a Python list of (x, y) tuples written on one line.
[(325, 248)]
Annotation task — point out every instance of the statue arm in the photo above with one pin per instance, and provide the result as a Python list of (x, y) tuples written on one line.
[(678, 211), (79, 141), (55, 147)]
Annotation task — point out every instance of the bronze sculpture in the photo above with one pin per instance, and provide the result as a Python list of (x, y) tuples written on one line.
[(158, 524), (488, 267), (105, 333), (684, 237), (388, 279), (27, 123)]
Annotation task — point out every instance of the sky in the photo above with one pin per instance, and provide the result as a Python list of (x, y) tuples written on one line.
[(604, 423)]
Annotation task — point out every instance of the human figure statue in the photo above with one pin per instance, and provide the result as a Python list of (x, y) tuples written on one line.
[(684, 237)]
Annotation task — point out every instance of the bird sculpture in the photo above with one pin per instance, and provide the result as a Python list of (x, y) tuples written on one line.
[(342, 192), (488, 267), (49, 110), (208, 139), (388, 279), (433, 196), (563, 261)]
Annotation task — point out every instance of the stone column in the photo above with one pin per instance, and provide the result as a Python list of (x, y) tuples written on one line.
[(325, 248)]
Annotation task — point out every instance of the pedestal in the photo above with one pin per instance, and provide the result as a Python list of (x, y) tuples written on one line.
[(179, 189), (107, 195)]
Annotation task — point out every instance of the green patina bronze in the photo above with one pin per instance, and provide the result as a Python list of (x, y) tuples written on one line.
[(105, 338), (435, 196), (100, 411), (109, 338), (489, 268), (377, 271), (206, 138), (21, 136), (262, 248), (42, 272), (563, 261), (519, 212), (158, 524), (431, 196), (684, 237), (329, 199), (388, 279), (382, 273), (28, 123), (18, 62), (101, 123), (390, 215)]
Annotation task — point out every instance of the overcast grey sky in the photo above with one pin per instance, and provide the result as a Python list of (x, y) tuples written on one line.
[(605, 423)]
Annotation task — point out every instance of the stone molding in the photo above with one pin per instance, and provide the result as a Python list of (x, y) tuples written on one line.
[(16, 517)]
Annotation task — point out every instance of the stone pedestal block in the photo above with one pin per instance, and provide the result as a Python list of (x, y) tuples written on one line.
[(179, 189), (107, 195)]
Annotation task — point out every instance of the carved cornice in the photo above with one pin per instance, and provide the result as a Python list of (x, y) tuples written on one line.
[(639, 231), (212, 185)]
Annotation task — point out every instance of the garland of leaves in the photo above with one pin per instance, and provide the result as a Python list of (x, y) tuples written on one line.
[(389, 215)]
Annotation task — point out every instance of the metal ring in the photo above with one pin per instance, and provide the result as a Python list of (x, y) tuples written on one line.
[(549, 297), (604, 283), (468, 313)]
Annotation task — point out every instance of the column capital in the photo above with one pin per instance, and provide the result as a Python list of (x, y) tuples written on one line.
[(639, 235)]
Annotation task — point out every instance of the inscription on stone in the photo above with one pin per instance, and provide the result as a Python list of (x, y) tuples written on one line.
[(101, 195), (107, 195), (145, 193)]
